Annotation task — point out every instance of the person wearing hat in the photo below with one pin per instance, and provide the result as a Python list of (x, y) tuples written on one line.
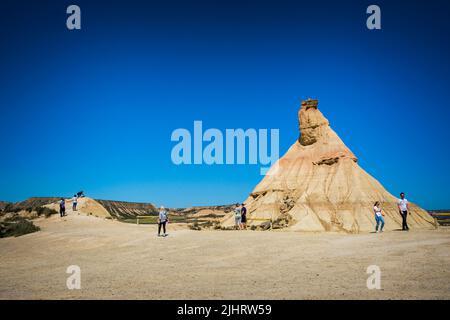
[(162, 220)]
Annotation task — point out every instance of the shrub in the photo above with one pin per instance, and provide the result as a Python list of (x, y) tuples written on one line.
[(16, 226), (194, 226), (47, 212), (8, 208)]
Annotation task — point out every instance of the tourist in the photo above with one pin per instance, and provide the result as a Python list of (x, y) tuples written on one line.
[(378, 216), (74, 202), (237, 217), (62, 207), (162, 220), (403, 208), (243, 216)]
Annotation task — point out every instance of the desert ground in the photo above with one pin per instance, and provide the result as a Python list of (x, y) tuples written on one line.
[(127, 261)]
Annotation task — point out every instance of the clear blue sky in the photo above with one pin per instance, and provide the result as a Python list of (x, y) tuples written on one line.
[(94, 109)]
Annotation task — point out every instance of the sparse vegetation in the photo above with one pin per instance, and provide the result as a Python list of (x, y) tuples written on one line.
[(204, 224), (47, 212), (194, 226), (30, 207), (282, 221), (16, 226), (10, 208)]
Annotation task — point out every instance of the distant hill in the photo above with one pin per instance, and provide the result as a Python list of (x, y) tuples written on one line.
[(3, 204), (117, 209), (196, 209), (34, 202), (124, 209), (439, 211), (28, 204), (442, 216)]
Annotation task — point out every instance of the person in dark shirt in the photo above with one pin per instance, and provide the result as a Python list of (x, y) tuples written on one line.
[(62, 207), (244, 216)]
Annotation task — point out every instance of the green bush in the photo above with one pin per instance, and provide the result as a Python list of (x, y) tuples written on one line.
[(16, 226)]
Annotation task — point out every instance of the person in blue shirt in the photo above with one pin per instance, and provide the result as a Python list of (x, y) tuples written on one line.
[(162, 221)]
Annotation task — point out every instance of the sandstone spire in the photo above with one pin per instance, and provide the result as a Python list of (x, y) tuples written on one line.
[(311, 123), (318, 186)]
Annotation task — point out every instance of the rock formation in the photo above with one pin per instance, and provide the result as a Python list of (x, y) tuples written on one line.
[(319, 186)]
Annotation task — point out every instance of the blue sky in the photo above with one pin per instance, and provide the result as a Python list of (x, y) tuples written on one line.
[(94, 109)]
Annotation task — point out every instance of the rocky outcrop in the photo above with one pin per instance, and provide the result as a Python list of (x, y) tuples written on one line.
[(320, 186), (3, 205)]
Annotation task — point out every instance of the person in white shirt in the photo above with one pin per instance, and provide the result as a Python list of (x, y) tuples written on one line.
[(378, 216), (403, 209), (237, 217), (162, 220), (74, 202)]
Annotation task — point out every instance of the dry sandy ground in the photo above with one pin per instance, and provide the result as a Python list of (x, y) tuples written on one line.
[(129, 262)]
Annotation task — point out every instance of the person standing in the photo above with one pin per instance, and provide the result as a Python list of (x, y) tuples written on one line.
[(62, 207), (74, 202), (162, 220), (237, 217), (378, 216), (243, 216), (403, 208)]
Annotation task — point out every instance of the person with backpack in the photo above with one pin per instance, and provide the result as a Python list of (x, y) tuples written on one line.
[(62, 207), (378, 216), (162, 221)]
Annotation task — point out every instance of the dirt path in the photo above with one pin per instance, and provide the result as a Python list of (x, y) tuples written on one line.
[(129, 262)]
